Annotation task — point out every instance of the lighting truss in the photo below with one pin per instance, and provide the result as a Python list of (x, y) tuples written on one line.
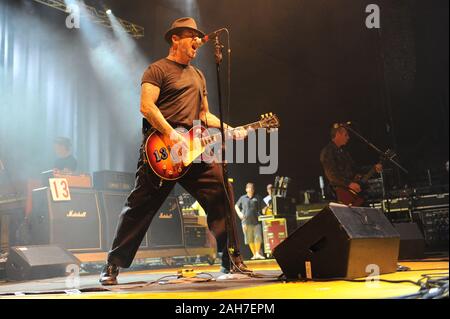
[(97, 16)]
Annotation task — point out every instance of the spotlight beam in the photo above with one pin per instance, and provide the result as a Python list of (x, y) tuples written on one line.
[(97, 16)]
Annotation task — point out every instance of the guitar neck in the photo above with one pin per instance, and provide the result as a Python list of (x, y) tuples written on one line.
[(252, 126), (217, 137), (369, 174)]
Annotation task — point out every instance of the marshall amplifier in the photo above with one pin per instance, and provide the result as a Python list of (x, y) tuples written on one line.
[(306, 212), (394, 205), (166, 229), (111, 204), (115, 181), (74, 180), (75, 224), (434, 226), (284, 206), (434, 201)]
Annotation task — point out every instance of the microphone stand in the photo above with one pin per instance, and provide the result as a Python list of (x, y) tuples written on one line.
[(230, 219), (381, 153)]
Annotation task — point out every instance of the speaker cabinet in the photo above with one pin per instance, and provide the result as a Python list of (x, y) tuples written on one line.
[(38, 262), (340, 242), (285, 206), (111, 204), (75, 225), (195, 236), (114, 181), (412, 242), (166, 229)]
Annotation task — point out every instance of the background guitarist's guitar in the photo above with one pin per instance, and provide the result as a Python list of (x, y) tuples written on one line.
[(348, 196), (171, 164)]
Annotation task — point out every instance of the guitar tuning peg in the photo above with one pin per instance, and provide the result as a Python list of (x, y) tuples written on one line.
[(262, 116), (270, 113)]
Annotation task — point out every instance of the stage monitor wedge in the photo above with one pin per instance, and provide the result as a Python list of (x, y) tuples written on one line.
[(340, 242), (39, 262)]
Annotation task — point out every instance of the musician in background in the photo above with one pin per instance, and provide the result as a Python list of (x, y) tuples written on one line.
[(65, 160), (339, 167), (268, 201), (248, 208)]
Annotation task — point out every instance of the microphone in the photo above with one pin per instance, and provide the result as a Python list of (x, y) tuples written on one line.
[(200, 42)]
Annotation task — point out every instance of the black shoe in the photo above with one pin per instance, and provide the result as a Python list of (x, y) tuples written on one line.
[(109, 275), (237, 267)]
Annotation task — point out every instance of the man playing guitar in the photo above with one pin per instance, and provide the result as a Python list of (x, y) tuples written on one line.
[(173, 94), (340, 168)]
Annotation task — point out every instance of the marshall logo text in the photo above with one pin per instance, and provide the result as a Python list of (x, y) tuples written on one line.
[(75, 214)]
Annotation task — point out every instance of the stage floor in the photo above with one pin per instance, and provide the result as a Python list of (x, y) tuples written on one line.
[(141, 284)]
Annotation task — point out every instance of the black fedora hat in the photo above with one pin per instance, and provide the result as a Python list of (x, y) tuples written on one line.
[(180, 24)]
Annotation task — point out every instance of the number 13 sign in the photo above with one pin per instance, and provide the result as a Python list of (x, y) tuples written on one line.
[(60, 189)]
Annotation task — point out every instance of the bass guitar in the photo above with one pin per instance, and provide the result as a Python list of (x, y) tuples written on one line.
[(348, 196)]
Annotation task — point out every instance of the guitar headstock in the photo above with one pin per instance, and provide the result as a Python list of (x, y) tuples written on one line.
[(269, 121)]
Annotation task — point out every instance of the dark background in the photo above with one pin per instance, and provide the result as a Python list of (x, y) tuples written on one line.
[(315, 63)]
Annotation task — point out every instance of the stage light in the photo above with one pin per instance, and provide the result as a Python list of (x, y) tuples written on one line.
[(96, 15)]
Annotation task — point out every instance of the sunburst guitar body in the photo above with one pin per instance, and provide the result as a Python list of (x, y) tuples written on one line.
[(170, 161)]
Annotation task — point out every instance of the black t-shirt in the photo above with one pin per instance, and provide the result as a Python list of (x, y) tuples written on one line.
[(183, 88), (68, 163)]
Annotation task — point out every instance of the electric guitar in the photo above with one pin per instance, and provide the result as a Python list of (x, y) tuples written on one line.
[(350, 197), (170, 161)]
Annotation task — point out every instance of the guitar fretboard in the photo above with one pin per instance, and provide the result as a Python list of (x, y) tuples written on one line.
[(217, 137)]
